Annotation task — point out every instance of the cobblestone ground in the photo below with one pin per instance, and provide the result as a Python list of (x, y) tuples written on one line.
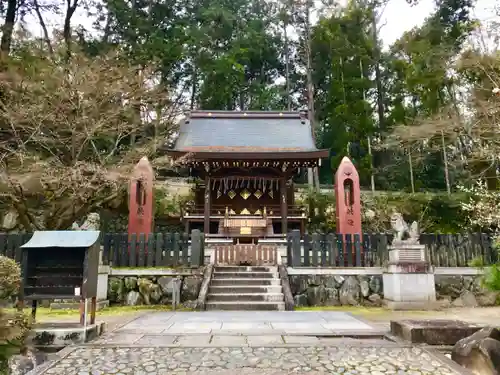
[(371, 360)]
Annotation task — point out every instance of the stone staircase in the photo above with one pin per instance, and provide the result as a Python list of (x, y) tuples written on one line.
[(245, 288)]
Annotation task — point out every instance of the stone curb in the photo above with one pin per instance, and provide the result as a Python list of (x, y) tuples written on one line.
[(301, 345), (447, 361)]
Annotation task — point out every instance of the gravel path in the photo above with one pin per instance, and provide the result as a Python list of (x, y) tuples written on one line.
[(345, 360)]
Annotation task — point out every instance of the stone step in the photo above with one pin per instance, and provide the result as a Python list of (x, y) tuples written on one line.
[(245, 289), (248, 306), (245, 297), (250, 275), (246, 282), (245, 269)]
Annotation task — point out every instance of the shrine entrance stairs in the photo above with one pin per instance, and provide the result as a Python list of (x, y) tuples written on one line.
[(245, 288)]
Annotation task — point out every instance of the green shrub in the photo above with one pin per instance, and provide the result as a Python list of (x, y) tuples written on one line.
[(477, 262), (10, 278), (491, 278), (14, 329), (14, 326)]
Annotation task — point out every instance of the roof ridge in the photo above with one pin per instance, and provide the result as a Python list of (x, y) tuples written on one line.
[(243, 115)]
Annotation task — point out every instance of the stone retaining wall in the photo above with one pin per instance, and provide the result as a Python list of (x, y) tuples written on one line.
[(309, 287), (464, 291), (336, 290), (152, 290), (367, 290)]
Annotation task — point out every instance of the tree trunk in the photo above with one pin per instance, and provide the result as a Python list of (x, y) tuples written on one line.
[(46, 36), (378, 75), (70, 10), (445, 160), (8, 28), (194, 87), (313, 172), (287, 66)]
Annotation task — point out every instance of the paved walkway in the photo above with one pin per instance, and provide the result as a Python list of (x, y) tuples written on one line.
[(254, 343), (233, 328)]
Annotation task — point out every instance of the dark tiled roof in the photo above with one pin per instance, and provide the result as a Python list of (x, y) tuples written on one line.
[(230, 132)]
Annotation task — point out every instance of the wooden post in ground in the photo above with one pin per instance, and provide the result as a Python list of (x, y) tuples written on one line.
[(93, 308)]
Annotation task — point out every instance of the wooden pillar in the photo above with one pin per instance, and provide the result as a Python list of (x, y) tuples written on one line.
[(284, 206), (93, 308), (83, 316), (206, 226)]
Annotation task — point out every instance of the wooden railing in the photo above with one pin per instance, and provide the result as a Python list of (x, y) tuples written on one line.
[(255, 255), (220, 210)]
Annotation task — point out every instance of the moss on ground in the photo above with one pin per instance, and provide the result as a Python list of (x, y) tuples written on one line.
[(375, 313), (43, 313)]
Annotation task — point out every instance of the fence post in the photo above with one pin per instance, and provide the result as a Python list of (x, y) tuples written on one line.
[(197, 255), (307, 249), (357, 249), (106, 248), (296, 249), (316, 248), (142, 250), (132, 260)]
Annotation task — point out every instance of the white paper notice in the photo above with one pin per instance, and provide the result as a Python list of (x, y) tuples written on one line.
[(77, 291)]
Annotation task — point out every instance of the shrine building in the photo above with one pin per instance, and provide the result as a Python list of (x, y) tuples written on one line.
[(245, 162)]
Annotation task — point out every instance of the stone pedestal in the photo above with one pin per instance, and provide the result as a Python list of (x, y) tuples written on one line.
[(409, 279), (102, 282), (433, 332), (55, 336)]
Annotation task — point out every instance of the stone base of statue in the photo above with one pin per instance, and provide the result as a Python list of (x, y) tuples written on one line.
[(409, 278)]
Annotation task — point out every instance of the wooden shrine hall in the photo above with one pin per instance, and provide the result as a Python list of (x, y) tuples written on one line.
[(246, 161)]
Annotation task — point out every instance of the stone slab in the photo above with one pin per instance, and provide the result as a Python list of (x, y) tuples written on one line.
[(60, 335), (119, 338), (146, 329), (192, 327), (160, 340), (415, 305), (245, 323), (297, 326), (223, 340), (301, 340), (265, 340), (193, 340), (433, 332), (245, 326), (346, 326)]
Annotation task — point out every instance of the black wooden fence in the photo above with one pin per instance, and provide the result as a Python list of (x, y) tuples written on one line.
[(10, 244), (372, 249), (154, 250), (313, 250)]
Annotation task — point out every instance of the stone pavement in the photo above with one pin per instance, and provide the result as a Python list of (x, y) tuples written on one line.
[(254, 343), (233, 327), (373, 360)]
